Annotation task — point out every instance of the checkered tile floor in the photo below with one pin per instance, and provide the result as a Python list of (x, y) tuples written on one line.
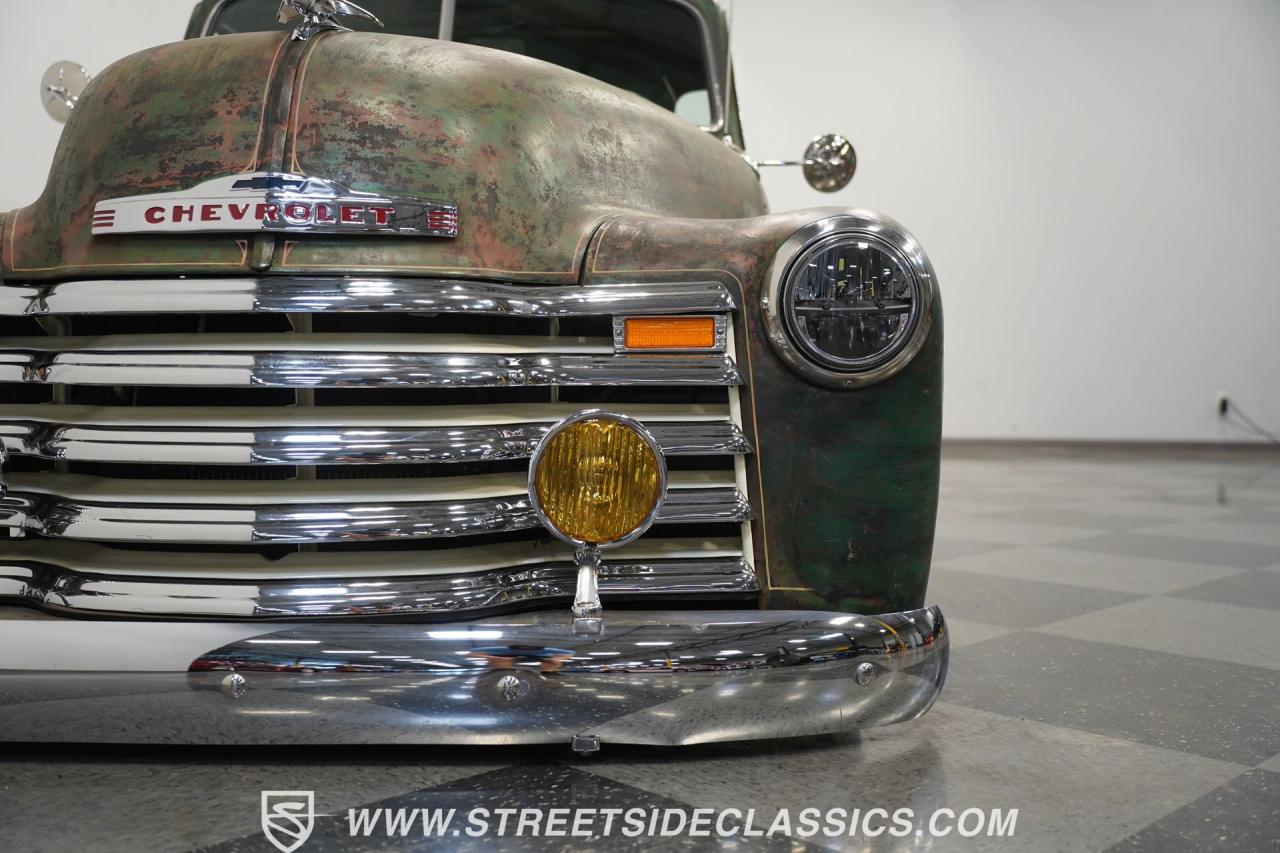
[(1115, 677)]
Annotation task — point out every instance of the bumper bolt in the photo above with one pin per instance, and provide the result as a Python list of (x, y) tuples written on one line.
[(585, 744), (234, 686), (864, 674)]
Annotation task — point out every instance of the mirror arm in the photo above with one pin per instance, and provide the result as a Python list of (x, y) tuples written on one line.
[(759, 163), (829, 163)]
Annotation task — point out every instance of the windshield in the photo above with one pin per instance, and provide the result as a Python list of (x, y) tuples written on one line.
[(654, 48)]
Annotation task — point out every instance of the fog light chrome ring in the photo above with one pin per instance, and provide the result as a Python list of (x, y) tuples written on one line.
[(546, 514)]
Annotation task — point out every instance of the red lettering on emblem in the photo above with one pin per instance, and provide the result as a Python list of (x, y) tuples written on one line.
[(382, 214), (297, 212), (267, 213), (237, 211), (209, 213), (324, 213), (353, 214), (184, 212), (154, 215)]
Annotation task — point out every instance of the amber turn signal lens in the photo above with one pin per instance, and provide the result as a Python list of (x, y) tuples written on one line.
[(598, 480), (670, 333)]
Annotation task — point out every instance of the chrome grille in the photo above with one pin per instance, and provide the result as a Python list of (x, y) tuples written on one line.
[(250, 447)]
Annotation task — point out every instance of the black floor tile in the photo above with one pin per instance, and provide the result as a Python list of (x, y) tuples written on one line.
[(1218, 710), (1243, 814)]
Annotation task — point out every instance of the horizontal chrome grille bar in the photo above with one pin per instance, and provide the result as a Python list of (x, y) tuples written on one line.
[(375, 564), (334, 417), (236, 295), (106, 490), (55, 588), (364, 369), (351, 443), (312, 523)]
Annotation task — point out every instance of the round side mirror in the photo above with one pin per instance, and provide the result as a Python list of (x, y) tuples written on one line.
[(829, 163), (61, 87)]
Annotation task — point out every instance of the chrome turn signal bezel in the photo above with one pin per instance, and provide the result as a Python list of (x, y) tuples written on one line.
[(888, 235)]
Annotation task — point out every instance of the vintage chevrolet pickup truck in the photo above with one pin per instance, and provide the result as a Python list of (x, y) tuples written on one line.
[(363, 386)]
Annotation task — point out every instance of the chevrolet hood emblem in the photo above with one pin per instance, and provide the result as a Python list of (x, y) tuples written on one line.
[(274, 202)]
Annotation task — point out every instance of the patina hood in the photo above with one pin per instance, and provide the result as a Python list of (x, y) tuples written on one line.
[(535, 156)]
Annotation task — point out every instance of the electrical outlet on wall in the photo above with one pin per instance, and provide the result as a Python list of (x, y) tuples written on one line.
[(1223, 404)]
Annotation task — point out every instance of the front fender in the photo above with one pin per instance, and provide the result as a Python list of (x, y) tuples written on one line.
[(846, 480)]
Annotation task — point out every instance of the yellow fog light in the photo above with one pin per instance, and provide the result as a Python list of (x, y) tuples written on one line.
[(597, 478)]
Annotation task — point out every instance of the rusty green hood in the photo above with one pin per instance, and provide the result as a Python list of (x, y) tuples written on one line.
[(535, 156)]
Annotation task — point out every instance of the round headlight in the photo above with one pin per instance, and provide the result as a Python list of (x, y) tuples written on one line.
[(597, 478), (850, 300)]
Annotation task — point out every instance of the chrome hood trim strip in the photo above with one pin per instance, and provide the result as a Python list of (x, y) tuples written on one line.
[(58, 589), (666, 678), (290, 294)]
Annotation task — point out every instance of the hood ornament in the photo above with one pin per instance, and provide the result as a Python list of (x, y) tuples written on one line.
[(320, 15)]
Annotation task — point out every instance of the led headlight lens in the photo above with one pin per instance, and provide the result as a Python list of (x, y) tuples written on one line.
[(597, 478), (850, 302)]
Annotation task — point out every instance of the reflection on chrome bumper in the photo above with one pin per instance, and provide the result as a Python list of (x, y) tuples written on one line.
[(666, 678)]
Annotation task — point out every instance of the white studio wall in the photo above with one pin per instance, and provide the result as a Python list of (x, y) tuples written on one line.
[(1096, 182), (34, 36)]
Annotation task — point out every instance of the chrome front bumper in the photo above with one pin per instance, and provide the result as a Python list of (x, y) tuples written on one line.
[(659, 678)]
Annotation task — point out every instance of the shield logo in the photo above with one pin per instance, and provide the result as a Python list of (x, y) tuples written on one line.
[(288, 818)]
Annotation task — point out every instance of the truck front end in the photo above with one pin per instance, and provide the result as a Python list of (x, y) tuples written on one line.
[(362, 387)]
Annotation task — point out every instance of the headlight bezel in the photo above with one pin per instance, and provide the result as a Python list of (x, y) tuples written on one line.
[(887, 236)]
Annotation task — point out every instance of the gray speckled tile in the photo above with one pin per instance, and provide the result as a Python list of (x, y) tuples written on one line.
[(1243, 814), (1242, 555), (1008, 532), (966, 633), (947, 547), (1202, 629), (1272, 763), (1261, 516), (1122, 573), (1150, 697), (1250, 589), (145, 798), (1011, 602), (1080, 518), (1074, 790), (1147, 507), (1218, 530)]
